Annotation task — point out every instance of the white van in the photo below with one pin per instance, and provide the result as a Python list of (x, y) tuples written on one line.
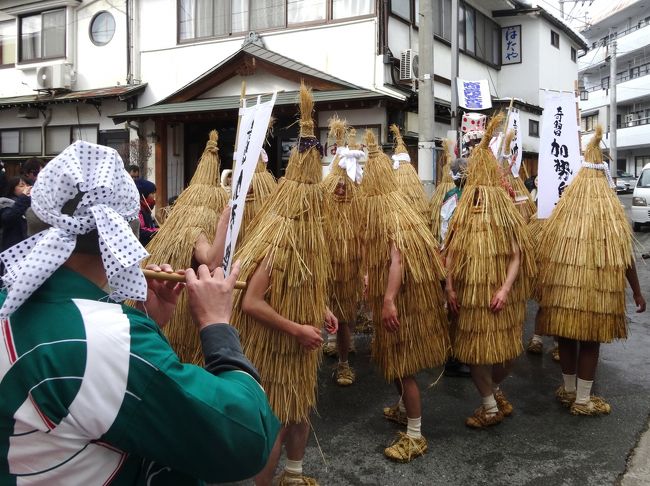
[(641, 200)]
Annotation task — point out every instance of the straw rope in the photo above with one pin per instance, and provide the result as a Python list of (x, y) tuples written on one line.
[(480, 244), (289, 234), (195, 212), (422, 340), (585, 249)]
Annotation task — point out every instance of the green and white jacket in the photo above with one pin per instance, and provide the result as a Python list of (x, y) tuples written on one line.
[(91, 393)]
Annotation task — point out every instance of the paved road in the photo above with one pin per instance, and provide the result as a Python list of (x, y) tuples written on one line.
[(541, 444)]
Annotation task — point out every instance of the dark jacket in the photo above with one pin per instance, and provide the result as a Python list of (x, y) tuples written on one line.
[(12, 220)]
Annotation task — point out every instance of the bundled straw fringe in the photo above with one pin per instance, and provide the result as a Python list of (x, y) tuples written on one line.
[(523, 199), (479, 246), (422, 340), (342, 222), (195, 212), (288, 239), (263, 185), (409, 182), (585, 249), (438, 198)]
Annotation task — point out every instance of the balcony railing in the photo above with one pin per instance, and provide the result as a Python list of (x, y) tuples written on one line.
[(620, 78), (634, 123), (605, 40)]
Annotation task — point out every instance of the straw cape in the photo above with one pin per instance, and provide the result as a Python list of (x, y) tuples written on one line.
[(343, 225), (262, 186), (479, 248), (586, 247), (422, 340), (195, 212), (438, 198), (523, 199), (289, 241), (407, 178)]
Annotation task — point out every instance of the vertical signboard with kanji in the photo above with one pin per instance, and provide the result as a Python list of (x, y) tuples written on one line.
[(511, 44)]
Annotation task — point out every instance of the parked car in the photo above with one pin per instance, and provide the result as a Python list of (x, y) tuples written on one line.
[(641, 200), (626, 178), (622, 186)]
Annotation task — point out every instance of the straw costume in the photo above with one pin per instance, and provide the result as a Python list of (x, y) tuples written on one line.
[(262, 186), (289, 241), (421, 340), (343, 229), (407, 178), (485, 234), (446, 185), (585, 252), (195, 212), (523, 200)]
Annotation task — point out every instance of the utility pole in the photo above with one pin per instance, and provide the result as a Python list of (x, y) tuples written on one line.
[(426, 111), (612, 107), (454, 66)]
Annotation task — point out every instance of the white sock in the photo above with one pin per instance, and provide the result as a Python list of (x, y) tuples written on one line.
[(400, 405), (537, 338), (495, 388), (293, 467), (569, 382), (490, 404), (583, 391), (331, 338), (413, 427)]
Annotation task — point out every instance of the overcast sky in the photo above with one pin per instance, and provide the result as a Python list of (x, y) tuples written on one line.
[(575, 11)]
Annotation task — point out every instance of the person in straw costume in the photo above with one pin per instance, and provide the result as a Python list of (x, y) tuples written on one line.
[(407, 178), (441, 190), (489, 260), (404, 294), (280, 315), (343, 223), (585, 257), (523, 200), (194, 215)]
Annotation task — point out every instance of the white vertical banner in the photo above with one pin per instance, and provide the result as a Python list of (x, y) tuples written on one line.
[(495, 145), (252, 131), (515, 155), (559, 153), (474, 95)]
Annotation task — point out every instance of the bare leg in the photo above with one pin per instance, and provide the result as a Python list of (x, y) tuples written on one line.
[(482, 378), (343, 341), (568, 355), (411, 397), (501, 371), (265, 476), (587, 360), (296, 441)]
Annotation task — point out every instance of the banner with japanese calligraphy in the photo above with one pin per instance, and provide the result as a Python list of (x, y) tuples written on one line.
[(474, 95), (516, 144), (511, 44), (559, 153), (252, 131)]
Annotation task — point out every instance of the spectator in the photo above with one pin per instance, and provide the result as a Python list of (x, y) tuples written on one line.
[(12, 211), (148, 225), (30, 170), (96, 385), (134, 172), (226, 180)]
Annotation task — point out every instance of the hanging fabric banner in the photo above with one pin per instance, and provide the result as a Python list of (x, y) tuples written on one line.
[(474, 95), (252, 131), (516, 144), (559, 153)]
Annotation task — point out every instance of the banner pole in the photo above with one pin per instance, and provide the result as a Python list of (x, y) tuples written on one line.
[(242, 101), (505, 128)]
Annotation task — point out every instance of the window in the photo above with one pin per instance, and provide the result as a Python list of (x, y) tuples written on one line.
[(56, 139), (470, 29), (8, 43), (203, 19), (584, 95), (588, 123), (604, 82), (102, 28), (42, 36), (478, 35), (9, 142), (401, 8), (87, 133), (23, 141), (574, 54), (555, 39), (640, 162), (533, 128)]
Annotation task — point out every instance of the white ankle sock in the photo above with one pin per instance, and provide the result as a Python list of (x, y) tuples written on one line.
[(331, 338), (537, 338), (293, 467), (490, 404), (569, 382), (414, 427), (400, 406), (495, 389), (583, 391)]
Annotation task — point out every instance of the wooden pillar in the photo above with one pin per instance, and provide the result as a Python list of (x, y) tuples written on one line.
[(161, 164)]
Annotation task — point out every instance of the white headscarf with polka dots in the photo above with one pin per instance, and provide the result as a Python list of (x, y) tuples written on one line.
[(92, 178)]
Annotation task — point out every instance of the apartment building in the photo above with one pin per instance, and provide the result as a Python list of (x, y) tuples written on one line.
[(629, 25)]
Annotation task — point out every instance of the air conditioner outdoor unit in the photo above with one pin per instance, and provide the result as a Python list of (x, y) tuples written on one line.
[(408, 65), (56, 76)]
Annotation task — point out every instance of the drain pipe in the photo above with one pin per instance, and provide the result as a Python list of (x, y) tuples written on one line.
[(47, 117)]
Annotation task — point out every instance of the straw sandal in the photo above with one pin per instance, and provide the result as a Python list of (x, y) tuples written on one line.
[(344, 374), (481, 419), (329, 349), (566, 398), (289, 479), (594, 407), (505, 407), (405, 448), (394, 414), (535, 347)]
